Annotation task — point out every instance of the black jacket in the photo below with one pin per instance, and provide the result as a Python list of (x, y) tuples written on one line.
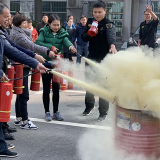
[(147, 33), (39, 26), (79, 31), (100, 44)]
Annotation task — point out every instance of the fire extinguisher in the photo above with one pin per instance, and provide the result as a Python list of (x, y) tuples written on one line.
[(70, 84), (94, 29), (35, 80), (56, 78), (5, 101), (63, 85), (10, 73), (18, 84)]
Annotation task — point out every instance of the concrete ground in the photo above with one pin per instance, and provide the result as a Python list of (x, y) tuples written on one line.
[(56, 140)]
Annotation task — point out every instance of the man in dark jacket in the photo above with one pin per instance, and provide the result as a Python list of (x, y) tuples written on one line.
[(148, 29), (42, 23), (99, 46), (82, 47)]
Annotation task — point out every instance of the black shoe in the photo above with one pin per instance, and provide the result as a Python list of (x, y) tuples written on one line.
[(8, 153), (8, 136), (7, 128), (10, 146), (87, 111), (11, 129), (101, 118)]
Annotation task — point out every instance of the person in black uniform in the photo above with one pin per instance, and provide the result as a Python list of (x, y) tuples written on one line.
[(148, 29), (99, 46)]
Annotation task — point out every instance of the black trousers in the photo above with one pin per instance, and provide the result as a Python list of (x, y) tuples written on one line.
[(46, 79), (103, 104), (3, 145), (89, 97), (21, 100)]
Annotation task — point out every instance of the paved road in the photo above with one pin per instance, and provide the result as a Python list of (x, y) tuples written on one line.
[(57, 140)]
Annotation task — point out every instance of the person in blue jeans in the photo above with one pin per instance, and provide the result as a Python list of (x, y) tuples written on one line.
[(82, 47)]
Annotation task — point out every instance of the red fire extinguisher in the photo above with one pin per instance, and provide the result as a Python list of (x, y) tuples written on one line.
[(63, 85), (56, 78), (5, 101), (10, 73), (18, 84), (35, 81), (70, 84), (94, 29)]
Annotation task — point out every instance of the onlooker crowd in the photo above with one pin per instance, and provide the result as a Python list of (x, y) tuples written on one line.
[(36, 47)]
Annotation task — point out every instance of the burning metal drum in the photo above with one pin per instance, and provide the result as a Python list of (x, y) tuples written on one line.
[(137, 132)]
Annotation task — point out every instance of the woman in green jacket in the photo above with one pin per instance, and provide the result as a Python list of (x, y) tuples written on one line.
[(53, 37)]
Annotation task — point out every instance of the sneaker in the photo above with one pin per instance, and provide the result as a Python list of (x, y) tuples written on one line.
[(9, 128), (17, 122), (10, 146), (48, 116), (101, 118), (57, 116), (8, 153), (87, 111), (8, 136), (28, 125)]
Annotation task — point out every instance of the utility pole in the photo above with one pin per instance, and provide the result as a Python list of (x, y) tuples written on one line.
[(38, 10)]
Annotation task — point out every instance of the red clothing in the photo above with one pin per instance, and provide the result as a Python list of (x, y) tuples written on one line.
[(34, 34)]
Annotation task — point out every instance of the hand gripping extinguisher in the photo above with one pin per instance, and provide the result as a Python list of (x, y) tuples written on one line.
[(18, 84), (70, 84), (57, 65), (5, 101), (94, 29), (10, 74), (35, 80)]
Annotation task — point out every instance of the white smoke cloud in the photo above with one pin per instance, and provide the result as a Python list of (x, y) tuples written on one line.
[(100, 145)]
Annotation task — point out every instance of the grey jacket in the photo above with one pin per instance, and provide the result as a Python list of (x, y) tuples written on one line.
[(22, 37)]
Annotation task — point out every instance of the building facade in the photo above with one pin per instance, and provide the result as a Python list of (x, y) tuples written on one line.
[(126, 14)]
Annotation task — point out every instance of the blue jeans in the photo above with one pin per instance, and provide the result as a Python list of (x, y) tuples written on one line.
[(80, 50)]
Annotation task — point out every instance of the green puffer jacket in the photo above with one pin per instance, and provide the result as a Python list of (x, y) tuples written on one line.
[(47, 39)]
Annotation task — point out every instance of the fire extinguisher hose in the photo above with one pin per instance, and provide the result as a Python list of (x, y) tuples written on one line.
[(26, 75)]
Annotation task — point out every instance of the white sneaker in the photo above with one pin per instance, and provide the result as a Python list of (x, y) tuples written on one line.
[(28, 125)]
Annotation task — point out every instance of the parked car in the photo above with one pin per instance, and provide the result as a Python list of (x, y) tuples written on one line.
[(133, 40)]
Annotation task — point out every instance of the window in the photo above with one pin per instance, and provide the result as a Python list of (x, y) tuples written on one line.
[(59, 6), (156, 7), (15, 6), (46, 6), (51, 7)]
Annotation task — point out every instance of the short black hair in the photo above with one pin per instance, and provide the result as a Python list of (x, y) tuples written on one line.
[(53, 17), (29, 20), (44, 15), (99, 4), (69, 16), (2, 6), (18, 19), (83, 16)]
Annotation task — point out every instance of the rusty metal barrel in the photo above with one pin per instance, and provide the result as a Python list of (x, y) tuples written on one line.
[(137, 132)]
